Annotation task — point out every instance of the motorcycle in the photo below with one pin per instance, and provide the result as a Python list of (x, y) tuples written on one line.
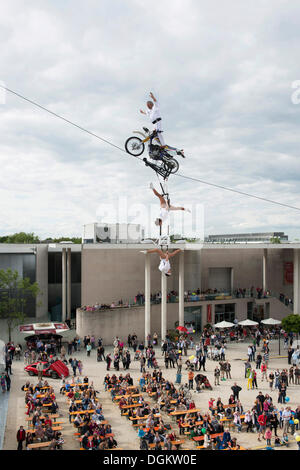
[(135, 146)]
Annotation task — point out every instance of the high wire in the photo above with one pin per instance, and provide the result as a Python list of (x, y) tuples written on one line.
[(124, 151)]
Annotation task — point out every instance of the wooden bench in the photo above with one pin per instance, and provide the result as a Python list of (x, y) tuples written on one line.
[(39, 445)]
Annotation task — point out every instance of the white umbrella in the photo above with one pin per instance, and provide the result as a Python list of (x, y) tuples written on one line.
[(224, 324), (271, 321), (248, 322)]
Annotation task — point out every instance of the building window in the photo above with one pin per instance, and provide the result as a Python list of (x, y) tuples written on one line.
[(224, 312)]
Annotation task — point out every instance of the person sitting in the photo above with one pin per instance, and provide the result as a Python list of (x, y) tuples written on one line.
[(228, 413), (226, 438), (85, 441), (49, 433), (111, 442)]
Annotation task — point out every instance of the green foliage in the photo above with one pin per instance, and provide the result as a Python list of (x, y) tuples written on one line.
[(28, 238), (20, 237), (291, 323), (67, 239), (14, 293), (275, 240)]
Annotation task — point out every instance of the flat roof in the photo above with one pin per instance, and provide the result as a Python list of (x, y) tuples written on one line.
[(32, 248)]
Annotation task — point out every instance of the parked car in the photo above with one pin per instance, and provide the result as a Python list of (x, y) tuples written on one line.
[(55, 370)]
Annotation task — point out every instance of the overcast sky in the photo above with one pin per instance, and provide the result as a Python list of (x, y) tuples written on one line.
[(223, 72)]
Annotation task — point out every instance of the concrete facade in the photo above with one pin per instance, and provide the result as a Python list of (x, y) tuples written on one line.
[(124, 321)]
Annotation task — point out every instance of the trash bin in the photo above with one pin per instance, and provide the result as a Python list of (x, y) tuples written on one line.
[(178, 378)]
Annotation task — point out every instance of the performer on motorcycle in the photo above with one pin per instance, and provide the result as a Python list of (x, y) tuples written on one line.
[(164, 265), (154, 113), (165, 207)]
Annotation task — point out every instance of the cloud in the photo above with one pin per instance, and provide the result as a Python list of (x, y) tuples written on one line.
[(223, 73)]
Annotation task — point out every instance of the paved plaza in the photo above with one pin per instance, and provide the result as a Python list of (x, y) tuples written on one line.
[(125, 434)]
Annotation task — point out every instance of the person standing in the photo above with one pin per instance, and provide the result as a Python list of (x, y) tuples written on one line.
[(8, 381), (191, 380), (271, 380), (40, 368), (228, 370), (217, 375), (21, 436), (88, 349), (258, 361), (254, 379), (263, 371), (236, 390)]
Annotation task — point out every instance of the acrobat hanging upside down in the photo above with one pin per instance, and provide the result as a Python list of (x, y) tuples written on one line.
[(164, 265)]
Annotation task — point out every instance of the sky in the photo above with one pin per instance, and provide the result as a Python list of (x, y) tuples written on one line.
[(226, 75)]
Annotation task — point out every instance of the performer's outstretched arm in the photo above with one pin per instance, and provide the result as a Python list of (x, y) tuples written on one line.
[(174, 253)]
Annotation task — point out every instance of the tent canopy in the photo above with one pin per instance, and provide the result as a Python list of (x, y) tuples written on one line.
[(44, 328)]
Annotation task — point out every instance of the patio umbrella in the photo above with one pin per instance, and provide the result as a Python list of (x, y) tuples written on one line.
[(224, 324), (182, 328), (271, 321), (248, 322)]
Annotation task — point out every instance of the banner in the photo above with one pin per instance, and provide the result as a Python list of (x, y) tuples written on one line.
[(288, 273), (208, 315)]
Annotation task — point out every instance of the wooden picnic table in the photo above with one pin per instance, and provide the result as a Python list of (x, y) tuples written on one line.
[(135, 405), (55, 428), (184, 412), (42, 388), (132, 395), (133, 418), (52, 416), (212, 436), (82, 412), (175, 443), (224, 406)]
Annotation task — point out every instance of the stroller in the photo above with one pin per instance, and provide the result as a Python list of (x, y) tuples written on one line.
[(137, 356)]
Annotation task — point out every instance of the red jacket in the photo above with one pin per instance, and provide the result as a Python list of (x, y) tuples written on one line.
[(21, 435), (262, 419)]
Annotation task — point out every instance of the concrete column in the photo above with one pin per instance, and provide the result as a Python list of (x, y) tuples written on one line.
[(265, 259), (181, 288), (147, 295), (69, 284), (296, 287), (64, 284), (231, 279), (163, 306), (42, 280)]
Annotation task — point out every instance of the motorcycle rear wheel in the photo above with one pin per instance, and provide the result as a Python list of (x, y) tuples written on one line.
[(171, 164), (135, 146)]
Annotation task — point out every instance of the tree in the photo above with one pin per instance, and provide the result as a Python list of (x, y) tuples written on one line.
[(291, 323), (14, 294), (275, 240), (20, 237)]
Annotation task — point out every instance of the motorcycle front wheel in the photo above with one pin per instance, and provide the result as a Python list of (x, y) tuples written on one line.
[(134, 146)]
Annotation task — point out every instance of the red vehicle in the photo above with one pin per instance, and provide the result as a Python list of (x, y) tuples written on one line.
[(55, 370)]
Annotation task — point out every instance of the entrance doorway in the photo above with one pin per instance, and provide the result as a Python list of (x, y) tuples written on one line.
[(193, 316)]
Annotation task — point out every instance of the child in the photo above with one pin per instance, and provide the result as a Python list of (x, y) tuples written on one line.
[(285, 439), (211, 405), (268, 436)]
